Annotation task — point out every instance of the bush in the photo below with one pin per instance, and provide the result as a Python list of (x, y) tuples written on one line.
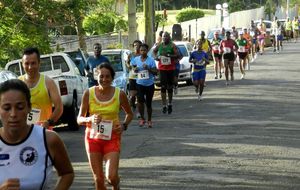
[(189, 14)]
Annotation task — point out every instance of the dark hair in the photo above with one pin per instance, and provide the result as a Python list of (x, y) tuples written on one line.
[(97, 44), (107, 66), (137, 41), (145, 46), (160, 33), (16, 84), (31, 50)]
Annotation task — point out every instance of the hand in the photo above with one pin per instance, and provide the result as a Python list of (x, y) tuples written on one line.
[(12, 183), (118, 129), (145, 66), (96, 119)]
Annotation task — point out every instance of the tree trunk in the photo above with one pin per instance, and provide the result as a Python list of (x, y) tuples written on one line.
[(132, 33), (80, 34)]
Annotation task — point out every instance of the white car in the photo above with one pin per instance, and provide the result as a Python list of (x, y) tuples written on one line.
[(185, 72)]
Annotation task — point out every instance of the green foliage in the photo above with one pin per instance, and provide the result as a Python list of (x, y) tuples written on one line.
[(160, 19), (236, 5), (189, 14), (121, 24), (114, 46), (270, 8)]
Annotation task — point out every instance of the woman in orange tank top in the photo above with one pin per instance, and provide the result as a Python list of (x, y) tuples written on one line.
[(103, 128)]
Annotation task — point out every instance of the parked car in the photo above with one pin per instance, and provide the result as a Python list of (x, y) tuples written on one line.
[(185, 73), (71, 85), (117, 58), (4, 76), (79, 58)]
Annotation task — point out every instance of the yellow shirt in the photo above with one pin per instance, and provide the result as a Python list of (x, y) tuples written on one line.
[(108, 110), (40, 98), (205, 46)]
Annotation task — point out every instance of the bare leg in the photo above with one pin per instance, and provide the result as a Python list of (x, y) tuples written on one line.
[(111, 169)]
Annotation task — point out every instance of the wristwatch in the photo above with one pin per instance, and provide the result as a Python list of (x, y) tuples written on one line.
[(51, 122), (124, 126)]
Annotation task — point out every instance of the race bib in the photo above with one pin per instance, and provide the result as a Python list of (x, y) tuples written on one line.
[(200, 63), (95, 73), (216, 48), (132, 74), (227, 50), (242, 49), (34, 116), (102, 130), (165, 60), (144, 74)]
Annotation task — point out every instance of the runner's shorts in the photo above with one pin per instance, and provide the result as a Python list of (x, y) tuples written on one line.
[(217, 55), (280, 37), (166, 78), (145, 94), (229, 56), (242, 55), (132, 84), (103, 146), (199, 75)]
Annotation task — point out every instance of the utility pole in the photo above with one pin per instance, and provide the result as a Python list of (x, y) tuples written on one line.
[(287, 7), (132, 33), (149, 14)]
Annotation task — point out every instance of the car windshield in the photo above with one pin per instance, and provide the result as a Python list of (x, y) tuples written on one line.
[(115, 60), (182, 50)]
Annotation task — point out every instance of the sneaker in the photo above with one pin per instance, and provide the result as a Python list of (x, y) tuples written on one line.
[(164, 110), (175, 90), (142, 122), (170, 109), (277, 51), (138, 115), (216, 76), (274, 50), (220, 75), (242, 76), (150, 124), (200, 98), (227, 83)]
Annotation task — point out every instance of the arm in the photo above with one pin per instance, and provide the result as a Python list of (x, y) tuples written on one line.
[(87, 69), (191, 59), (55, 99), (175, 50), (128, 62), (61, 161), (13, 183)]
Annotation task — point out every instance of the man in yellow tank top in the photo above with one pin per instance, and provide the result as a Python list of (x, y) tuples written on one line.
[(43, 90)]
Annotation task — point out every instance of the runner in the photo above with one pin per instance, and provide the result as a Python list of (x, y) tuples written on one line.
[(43, 90), (228, 47), (199, 58), (275, 34), (216, 54), (145, 68), (242, 53), (166, 53), (234, 33), (254, 32), (288, 28), (295, 25), (132, 75), (261, 37), (249, 56)]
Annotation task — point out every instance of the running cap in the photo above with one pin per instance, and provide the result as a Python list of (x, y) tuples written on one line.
[(241, 32)]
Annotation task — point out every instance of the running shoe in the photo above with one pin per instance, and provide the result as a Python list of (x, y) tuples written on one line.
[(170, 109), (138, 115), (150, 124), (164, 110), (216, 76), (200, 98), (242, 76), (175, 90), (142, 122), (227, 83), (220, 75)]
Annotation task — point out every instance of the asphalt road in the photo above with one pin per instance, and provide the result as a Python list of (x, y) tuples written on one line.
[(244, 136)]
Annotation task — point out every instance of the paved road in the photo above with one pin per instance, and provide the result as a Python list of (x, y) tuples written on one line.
[(244, 136)]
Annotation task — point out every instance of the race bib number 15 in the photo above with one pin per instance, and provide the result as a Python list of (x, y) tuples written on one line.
[(102, 130)]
